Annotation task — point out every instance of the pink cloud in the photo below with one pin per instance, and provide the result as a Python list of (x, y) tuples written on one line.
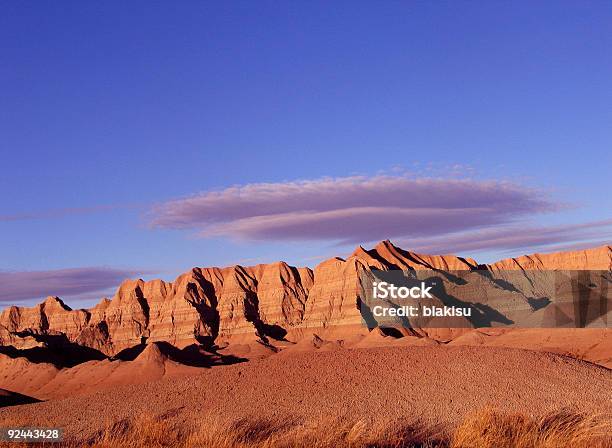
[(350, 209), (62, 212), (551, 238), (27, 285)]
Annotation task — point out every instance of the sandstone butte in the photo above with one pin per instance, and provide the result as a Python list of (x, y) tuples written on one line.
[(241, 305)]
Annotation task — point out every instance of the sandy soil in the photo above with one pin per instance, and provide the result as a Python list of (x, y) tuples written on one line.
[(590, 344), (45, 381), (437, 384)]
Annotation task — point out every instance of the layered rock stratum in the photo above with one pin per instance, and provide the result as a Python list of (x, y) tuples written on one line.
[(262, 304)]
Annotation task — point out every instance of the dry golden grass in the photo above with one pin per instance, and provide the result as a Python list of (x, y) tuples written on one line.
[(490, 429), (483, 429), (212, 432)]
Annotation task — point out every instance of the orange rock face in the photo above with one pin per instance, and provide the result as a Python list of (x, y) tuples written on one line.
[(213, 305), (597, 258), (19, 325)]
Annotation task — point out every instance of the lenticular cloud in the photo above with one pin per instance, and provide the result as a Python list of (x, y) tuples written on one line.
[(25, 285), (350, 209)]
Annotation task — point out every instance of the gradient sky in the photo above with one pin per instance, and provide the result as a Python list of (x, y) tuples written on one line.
[(144, 138)]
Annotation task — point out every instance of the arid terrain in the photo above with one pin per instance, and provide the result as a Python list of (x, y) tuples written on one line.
[(278, 343)]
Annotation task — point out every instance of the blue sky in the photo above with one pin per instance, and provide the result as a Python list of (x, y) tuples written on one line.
[(113, 113)]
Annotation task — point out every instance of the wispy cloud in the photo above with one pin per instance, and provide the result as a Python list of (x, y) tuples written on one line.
[(16, 287), (62, 212), (530, 237), (351, 209)]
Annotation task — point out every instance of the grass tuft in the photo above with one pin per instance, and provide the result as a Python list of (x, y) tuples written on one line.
[(488, 428)]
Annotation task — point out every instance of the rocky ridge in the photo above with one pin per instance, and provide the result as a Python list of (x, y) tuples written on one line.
[(262, 303)]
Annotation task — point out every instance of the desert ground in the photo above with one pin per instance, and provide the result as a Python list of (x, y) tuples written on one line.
[(433, 387)]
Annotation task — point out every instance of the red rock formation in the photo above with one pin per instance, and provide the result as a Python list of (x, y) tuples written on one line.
[(394, 257), (281, 294), (334, 296), (596, 258), (49, 317), (263, 302), (181, 312)]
